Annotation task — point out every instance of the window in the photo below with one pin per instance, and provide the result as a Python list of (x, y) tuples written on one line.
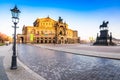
[(41, 41), (45, 41), (37, 41), (49, 41), (60, 33)]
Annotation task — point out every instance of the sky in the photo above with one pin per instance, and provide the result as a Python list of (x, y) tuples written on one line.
[(83, 15)]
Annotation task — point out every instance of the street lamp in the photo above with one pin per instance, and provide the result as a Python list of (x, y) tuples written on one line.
[(15, 19)]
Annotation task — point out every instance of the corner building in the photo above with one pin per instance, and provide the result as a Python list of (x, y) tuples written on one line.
[(47, 30)]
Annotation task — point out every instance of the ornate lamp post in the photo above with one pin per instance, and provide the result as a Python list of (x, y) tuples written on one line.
[(15, 19)]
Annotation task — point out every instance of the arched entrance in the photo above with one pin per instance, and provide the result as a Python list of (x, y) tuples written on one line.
[(62, 40), (21, 40)]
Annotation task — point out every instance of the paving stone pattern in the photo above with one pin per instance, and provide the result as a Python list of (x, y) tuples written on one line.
[(3, 75), (57, 65)]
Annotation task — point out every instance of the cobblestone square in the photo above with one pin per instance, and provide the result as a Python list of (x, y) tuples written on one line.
[(57, 65)]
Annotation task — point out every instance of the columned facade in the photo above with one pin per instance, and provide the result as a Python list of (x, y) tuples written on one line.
[(47, 30)]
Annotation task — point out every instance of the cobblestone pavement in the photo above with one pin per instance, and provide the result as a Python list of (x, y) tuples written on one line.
[(88, 47), (21, 73), (57, 65), (3, 75)]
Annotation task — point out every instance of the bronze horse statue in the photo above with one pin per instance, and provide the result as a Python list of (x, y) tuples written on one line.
[(104, 25)]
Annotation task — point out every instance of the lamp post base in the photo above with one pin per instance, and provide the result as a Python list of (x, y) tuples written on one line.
[(14, 63)]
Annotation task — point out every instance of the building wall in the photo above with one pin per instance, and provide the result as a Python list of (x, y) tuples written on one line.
[(47, 30)]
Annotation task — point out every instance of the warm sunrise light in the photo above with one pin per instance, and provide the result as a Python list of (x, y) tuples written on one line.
[(82, 15)]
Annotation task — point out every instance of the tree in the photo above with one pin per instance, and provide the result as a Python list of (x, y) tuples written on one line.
[(4, 37)]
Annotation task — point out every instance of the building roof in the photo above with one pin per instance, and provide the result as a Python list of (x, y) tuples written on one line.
[(47, 19)]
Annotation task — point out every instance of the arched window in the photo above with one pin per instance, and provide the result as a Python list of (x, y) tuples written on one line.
[(60, 33), (45, 41)]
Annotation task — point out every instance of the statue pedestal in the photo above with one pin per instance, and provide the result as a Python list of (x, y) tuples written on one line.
[(104, 38)]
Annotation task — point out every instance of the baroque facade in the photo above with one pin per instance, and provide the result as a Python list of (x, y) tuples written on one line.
[(47, 30)]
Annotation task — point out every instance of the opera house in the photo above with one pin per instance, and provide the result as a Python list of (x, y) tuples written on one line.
[(47, 30)]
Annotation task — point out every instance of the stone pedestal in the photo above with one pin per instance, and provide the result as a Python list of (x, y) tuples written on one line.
[(104, 38)]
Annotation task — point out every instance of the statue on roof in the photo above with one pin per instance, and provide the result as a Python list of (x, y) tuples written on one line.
[(60, 19), (48, 16)]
